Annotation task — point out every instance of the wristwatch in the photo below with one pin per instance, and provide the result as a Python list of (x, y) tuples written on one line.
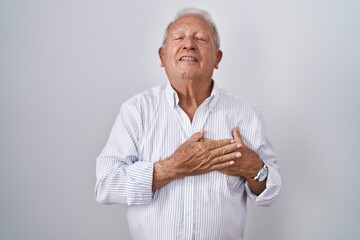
[(262, 174)]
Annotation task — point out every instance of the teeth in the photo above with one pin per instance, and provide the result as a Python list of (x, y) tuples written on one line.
[(188, 59)]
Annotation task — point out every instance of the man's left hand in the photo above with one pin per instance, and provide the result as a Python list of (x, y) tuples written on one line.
[(248, 165)]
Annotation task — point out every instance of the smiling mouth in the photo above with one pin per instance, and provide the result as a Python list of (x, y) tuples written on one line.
[(188, 59)]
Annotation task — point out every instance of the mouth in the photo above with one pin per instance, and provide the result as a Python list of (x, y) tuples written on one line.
[(188, 59)]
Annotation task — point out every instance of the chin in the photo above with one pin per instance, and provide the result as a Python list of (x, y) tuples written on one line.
[(189, 75)]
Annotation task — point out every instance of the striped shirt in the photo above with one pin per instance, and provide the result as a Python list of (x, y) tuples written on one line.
[(150, 127)]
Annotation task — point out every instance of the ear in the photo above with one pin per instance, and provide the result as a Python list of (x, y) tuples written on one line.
[(161, 56), (219, 55)]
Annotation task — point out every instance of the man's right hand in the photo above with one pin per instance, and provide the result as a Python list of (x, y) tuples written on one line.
[(194, 157)]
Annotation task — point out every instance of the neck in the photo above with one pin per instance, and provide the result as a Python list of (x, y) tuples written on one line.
[(192, 94)]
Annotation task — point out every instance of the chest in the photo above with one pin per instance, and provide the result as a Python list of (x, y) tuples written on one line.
[(165, 129)]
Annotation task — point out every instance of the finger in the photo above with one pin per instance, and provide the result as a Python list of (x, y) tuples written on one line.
[(196, 137), (226, 157), (222, 165), (225, 149), (236, 136), (213, 144)]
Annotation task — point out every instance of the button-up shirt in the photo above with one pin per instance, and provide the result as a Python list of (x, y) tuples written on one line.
[(149, 128)]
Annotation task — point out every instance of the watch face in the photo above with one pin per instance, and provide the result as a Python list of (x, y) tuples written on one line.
[(263, 174)]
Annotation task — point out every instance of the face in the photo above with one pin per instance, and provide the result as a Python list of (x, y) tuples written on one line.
[(189, 52)]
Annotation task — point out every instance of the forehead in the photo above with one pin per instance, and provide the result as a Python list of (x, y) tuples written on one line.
[(191, 22)]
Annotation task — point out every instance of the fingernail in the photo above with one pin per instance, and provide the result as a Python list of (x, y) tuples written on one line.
[(232, 141), (232, 162), (238, 146), (238, 154)]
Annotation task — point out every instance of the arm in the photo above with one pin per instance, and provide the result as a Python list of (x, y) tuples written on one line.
[(273, 181), (124, 178), (250, 162), (121, 177)]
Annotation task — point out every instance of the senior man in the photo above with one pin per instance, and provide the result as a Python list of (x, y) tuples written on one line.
[(186, 155)]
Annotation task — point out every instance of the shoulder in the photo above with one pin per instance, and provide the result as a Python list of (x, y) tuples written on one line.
[(146, 98), (231, 100)]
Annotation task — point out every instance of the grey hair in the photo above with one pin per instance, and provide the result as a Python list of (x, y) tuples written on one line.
[(199, 12)]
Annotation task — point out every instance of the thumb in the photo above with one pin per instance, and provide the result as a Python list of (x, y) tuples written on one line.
[(196, 137), (236, 135)]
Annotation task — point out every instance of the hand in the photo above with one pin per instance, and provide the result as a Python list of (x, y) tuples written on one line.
[(195, 156), (246, 166), (198, 155)]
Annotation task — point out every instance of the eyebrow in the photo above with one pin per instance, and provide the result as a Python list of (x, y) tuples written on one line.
[(179, 31)]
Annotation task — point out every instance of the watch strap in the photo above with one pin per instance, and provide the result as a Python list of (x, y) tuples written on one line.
[(261, 171)]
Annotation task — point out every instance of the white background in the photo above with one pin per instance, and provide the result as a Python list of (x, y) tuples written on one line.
[(66, 67)]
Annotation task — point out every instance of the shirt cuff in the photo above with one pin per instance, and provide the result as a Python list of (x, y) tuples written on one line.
[(139, 183), (272, 190)]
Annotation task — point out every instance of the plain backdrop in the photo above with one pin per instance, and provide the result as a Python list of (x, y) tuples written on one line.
[(67, 66)]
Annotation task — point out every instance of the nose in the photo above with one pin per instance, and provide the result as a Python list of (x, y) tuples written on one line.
[(189, 44)]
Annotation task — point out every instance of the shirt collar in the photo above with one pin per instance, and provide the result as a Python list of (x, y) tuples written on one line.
[(171, 95), (173, 98)]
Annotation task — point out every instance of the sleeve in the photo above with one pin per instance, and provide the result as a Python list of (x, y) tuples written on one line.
[(273, 181), (121, 177)]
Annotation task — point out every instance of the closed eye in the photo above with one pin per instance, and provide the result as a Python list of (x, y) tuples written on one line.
[(201, 38), (178, 38)]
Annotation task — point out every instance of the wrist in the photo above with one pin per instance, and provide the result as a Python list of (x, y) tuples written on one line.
[(163, 173), (261, 174)]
